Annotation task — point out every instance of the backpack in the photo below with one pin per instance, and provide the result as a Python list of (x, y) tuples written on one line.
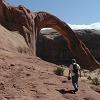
[(75, 68)]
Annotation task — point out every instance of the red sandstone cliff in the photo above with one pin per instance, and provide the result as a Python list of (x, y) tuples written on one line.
[(29, 25)]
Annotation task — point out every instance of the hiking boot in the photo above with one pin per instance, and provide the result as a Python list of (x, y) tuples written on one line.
[(74, 91)]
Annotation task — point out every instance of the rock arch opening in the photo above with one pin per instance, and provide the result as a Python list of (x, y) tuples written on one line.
[(52, 47)]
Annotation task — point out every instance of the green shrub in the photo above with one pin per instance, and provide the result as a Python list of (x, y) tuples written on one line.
[(99, 72), (95, 81), (59, 71)]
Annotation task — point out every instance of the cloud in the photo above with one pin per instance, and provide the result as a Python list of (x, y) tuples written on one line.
[(84, 26), (90, 26), (46, 28)]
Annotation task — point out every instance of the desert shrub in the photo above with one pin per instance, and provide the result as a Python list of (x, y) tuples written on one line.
[(20, 50), (99, 72), (95, 81), (59, 71), (85, 73), (89, 78)]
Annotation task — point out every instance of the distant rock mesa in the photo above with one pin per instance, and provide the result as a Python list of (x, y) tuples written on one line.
[(29, 25)]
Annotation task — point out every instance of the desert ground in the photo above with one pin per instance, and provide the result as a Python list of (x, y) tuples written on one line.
[(24, 77)]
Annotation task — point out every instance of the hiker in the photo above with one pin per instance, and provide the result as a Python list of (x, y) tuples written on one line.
[(74, 73)]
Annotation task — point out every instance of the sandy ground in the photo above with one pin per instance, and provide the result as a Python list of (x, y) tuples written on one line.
[(24, 77)]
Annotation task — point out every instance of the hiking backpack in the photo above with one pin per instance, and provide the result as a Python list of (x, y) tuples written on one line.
[(75, 68)]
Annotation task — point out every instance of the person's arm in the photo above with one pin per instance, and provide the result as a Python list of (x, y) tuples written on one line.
[(69, 73), (69, 77), (79, 71)]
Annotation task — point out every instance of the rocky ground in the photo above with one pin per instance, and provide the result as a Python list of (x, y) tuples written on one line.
[(23, 77)]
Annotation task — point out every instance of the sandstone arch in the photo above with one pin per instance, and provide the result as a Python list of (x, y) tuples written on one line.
[(29, 25), (77, 47)]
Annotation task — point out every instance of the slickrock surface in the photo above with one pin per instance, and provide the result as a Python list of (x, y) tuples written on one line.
[(27, 77), (24, 77)]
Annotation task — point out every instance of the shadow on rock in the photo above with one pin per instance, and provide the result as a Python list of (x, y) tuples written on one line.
[(63, 91)]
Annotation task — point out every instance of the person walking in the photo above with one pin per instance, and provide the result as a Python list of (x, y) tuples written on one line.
[(74, 73)]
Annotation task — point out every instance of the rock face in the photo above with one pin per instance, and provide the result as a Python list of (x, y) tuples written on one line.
[(51, 46), (55, 48), (91, 38), (12, 41), (29, 25)]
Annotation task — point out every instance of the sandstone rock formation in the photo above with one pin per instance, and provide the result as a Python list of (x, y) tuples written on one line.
[(55, 47), (29, 25), (91, 38)]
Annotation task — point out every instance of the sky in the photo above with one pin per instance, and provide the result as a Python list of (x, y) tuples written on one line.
[(76, 13)]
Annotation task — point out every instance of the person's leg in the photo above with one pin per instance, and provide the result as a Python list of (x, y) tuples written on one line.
[(77, 83), (74, 82)]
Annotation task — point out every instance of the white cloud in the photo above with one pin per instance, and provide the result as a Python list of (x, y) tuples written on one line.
[(84, 26), (90, 26), (46, 29)]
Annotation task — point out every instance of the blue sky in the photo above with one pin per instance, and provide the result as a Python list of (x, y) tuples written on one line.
[(71, 11)]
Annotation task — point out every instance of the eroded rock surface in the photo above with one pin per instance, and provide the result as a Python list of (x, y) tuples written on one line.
[(55, 47), (29, 25)]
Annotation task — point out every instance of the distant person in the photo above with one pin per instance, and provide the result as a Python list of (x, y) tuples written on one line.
[(74, 73)]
